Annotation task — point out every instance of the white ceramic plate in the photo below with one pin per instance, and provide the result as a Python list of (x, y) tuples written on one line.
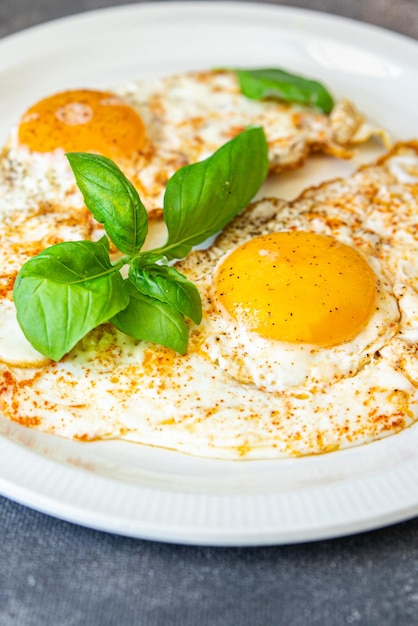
[(159, 494)]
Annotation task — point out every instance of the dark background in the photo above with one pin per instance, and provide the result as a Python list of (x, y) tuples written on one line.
[(398, 15)]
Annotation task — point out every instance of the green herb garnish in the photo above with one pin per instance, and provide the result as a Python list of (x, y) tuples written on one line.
[(72, 287), (260, 84)]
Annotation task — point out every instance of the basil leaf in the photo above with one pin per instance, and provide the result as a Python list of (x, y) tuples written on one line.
[(167, 284), (112, 199), (260, 84), (200, 199), (149, 319), (66, 291), (70, 262)]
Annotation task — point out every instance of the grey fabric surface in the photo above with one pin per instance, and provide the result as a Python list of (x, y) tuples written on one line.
[(55, 573), (397, 15)]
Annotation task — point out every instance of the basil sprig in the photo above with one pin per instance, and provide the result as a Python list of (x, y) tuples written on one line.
[(72, 287), (261, 84)]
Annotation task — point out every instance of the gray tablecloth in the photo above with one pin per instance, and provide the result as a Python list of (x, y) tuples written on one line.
[(56, 573)]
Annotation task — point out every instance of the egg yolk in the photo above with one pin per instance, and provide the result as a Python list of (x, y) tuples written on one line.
[(297, 287), (84, 121)]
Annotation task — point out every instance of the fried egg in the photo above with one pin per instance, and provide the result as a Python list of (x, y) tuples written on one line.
[(342, 260), (319, 316), (152, 128)]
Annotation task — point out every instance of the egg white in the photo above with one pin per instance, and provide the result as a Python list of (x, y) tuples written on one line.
[(29, 179)]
